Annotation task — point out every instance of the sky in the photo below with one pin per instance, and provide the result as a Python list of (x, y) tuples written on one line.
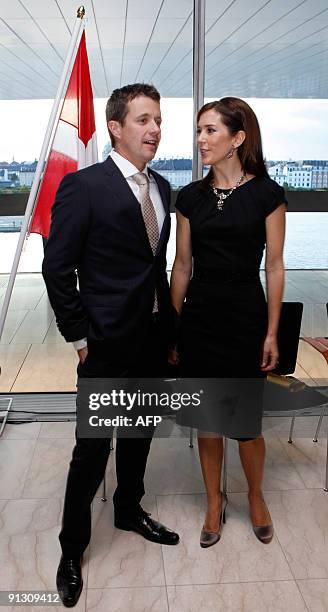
[(291, 128)]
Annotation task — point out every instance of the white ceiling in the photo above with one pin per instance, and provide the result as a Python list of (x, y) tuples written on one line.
[(254, 48)]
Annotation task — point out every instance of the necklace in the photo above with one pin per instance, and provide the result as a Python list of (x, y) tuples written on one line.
[(223, 196)]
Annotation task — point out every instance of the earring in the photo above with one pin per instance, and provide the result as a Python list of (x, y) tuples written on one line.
[(231, 152)]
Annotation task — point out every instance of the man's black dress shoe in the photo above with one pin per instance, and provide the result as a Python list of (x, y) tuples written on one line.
[(69, 581), (147, 527)]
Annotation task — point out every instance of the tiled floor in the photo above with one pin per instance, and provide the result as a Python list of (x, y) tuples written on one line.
[(122, 572)]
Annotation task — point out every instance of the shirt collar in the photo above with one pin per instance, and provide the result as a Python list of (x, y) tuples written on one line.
[(126, 167)]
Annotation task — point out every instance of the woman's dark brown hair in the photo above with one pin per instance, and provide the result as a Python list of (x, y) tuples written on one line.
[(237, 115)]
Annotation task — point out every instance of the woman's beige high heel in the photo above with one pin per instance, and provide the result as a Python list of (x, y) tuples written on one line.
[(264, 533), (252, 455), (209, 538)]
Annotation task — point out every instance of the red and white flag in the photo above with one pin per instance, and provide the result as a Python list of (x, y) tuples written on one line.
[(75, 142)]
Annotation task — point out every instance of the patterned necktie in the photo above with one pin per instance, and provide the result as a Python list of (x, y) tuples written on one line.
[(149, 216)]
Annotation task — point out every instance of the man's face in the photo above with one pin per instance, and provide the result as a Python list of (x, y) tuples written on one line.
[(138, 138)]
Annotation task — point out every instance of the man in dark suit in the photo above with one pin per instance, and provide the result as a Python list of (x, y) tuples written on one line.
[(111, 223)]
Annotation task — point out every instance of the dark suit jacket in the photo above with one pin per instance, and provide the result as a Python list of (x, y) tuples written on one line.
[(97, 229)]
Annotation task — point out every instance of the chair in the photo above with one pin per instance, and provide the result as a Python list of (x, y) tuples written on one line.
[(104, 492), (288, 338), (306, 401), (321, 345), (284, 395)]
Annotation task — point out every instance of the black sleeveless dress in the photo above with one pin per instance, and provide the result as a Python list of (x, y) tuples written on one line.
[(224, 317)]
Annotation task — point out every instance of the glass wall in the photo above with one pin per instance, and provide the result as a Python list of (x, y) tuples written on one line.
[(274, 56), (138, 42)]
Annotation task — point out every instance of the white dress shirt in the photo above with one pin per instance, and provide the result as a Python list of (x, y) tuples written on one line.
[(128, 170)]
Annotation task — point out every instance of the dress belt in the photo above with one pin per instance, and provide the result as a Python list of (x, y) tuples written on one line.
[(224, 276)]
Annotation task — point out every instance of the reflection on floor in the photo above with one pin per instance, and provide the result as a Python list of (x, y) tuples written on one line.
[(121, 570), (35, 357)]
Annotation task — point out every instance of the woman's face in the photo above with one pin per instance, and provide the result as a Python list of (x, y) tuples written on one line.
[(213, 138)]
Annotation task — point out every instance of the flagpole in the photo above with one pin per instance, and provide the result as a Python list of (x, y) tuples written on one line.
[(74, 42)]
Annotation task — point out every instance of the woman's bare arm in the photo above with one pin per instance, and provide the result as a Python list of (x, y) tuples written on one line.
[(182, 267), (275, 274)]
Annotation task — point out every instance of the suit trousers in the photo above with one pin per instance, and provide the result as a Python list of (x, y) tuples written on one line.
[(90, 455)]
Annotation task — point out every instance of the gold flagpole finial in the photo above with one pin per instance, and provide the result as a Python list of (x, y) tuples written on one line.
[(81, 12)]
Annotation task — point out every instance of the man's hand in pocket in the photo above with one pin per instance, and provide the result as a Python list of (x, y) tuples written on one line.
[(82, 353)]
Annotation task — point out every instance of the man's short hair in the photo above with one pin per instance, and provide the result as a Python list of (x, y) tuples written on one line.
[(117, 104)]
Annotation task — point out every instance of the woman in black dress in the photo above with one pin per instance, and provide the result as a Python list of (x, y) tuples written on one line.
[(228, 329)]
